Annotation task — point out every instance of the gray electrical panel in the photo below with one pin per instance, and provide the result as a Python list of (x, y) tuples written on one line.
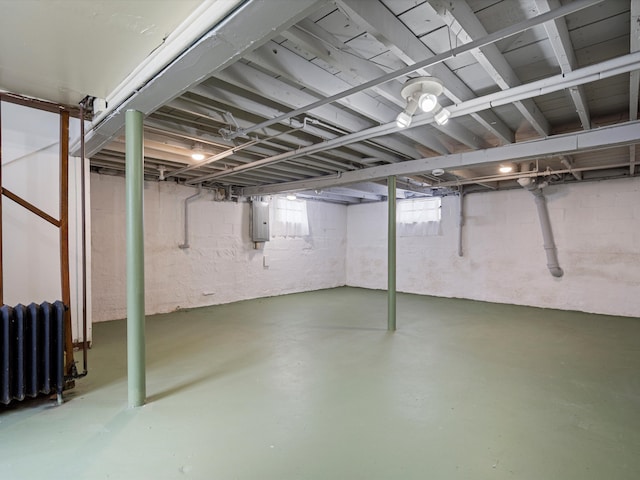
[(259, 221)]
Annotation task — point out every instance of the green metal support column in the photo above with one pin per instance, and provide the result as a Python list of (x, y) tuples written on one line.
[(391, 264), (134, 174)]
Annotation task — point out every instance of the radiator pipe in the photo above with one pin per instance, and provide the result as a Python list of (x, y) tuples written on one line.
[(134, 177), (187, 201), (84, 245), (391, 249), (535, 188), (65, 285)]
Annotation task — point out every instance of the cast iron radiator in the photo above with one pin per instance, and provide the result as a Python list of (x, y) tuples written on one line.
[(31, 351)]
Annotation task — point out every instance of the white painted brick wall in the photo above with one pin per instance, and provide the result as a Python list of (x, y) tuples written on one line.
[(596, 227), (221, 266)]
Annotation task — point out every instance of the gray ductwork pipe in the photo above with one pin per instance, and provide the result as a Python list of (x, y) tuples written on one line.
[(187, 201), (543, 214), (460, 219)]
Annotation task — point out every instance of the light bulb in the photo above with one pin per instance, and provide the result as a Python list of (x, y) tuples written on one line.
[(442, 117), (403, 120), (505, 169), (291, 197), (427, 102), (197, 153)]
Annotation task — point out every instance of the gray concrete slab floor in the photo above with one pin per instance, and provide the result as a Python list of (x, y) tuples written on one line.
[(312, 386)]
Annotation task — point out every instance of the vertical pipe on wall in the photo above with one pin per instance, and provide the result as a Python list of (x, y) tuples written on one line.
[(547, 234), (460, 219), (69, 364), (83, 229), (187, 201), (134, 176), (535, 187), (391, 265)]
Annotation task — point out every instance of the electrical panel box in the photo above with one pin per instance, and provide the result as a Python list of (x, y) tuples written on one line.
[(259, 221)]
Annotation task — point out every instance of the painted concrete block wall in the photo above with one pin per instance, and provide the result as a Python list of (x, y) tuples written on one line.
[(221, 265), (596, 227), (31, 246)]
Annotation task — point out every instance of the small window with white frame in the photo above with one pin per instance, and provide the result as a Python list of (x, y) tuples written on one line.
[(290, 218), (419, 217)]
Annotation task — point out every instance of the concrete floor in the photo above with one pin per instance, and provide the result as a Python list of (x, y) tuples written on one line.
[(311, 386)]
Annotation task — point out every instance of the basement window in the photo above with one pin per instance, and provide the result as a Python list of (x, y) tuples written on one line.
[(290, 218), (419, 217)]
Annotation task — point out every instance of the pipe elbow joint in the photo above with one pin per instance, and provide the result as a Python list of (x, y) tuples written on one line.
[(524, 182), (556, 271)]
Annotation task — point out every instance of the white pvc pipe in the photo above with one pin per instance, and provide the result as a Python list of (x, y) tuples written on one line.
[(525, 174)]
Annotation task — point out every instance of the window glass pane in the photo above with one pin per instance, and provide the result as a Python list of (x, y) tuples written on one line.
[(290, 219), (419, 216)]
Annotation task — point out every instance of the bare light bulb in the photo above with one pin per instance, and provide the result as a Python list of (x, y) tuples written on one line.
[(197, 153), (442, 117), (427, 102), (403, 120)]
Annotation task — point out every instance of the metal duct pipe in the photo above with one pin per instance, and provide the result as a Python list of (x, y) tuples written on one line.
[(535, 188), (187, 201)]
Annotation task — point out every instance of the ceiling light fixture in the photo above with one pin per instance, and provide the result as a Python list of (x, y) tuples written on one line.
[(441, 115), (422, 92), (427, 102), (291, 196), (403, 120), (506, 167), (197, 153)]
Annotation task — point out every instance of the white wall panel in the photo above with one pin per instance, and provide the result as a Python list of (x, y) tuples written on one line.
[(596, 227), (221, 266), (597, 232), (31, 246)]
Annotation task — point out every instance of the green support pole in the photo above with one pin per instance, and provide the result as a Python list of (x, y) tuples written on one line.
[(135, 259), (391, 284)]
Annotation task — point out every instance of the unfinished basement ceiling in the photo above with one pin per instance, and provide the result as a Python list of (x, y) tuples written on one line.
[(555, 98)]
